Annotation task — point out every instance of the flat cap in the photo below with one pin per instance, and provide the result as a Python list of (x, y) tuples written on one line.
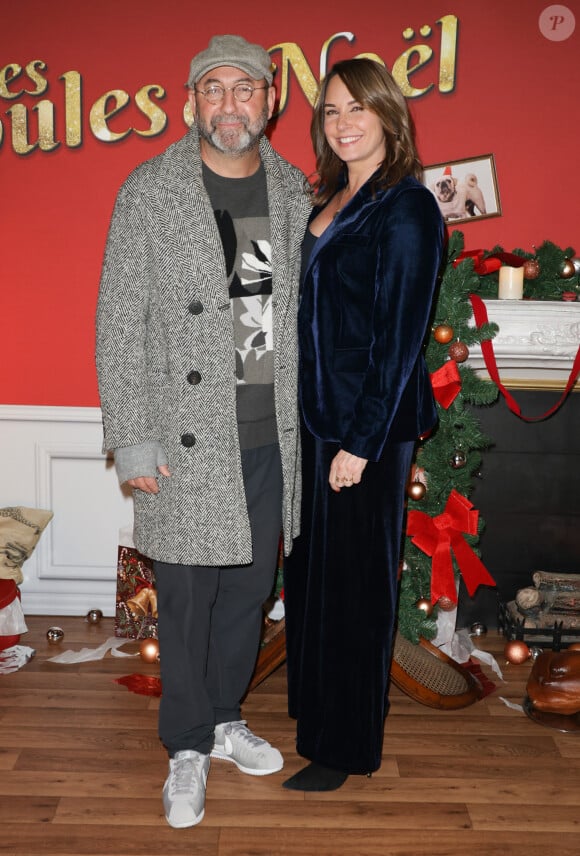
[(236, 52)]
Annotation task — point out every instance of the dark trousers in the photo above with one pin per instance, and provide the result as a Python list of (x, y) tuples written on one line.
[(210, 619), (340, 593)]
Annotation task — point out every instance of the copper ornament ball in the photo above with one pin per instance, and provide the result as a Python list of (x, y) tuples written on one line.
[(531, 269), (458, 351), (516, 652), (446, 604), (567, 269), (149, 650), (55, 635), (416, 490), (443, 333), (425, 605)]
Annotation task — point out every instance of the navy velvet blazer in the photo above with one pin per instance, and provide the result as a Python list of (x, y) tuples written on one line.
[(364, 310)]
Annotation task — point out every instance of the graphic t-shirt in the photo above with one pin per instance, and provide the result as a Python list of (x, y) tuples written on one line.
[(241, 211)]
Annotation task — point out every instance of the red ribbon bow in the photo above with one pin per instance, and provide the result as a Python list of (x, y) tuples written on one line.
[(446, 383), (438, 536)]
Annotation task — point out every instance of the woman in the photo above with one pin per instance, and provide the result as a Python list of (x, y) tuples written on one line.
[(370, 262)]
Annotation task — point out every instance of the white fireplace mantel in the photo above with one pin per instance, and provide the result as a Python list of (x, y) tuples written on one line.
[(536, 343)]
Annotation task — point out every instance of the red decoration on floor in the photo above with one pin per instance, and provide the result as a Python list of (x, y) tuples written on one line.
[(477, 672), (141, 684)]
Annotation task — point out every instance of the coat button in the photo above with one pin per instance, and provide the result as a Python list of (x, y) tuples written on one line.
[(194, 377), (195, 307), (187, 440)]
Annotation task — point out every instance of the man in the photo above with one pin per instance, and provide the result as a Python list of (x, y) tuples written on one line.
[(196, 356)]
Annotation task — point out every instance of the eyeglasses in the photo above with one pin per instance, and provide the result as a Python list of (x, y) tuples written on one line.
[(242, 92)]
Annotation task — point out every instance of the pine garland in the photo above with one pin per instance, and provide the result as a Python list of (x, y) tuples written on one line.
[(450, 457)]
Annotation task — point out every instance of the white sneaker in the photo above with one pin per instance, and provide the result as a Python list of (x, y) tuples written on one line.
[(235, 742), (184, 789)]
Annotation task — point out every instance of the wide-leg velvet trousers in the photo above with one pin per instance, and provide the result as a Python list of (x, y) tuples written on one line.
[(340, 590)]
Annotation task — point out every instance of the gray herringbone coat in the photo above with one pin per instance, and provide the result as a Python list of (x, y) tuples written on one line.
[(164, 311)]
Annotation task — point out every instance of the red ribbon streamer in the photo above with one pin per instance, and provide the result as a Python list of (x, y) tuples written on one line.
[(446, 383), (141, 684), (439, 536), (483, 266), (480, 316)]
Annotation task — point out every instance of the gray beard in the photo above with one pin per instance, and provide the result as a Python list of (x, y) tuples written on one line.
[(234, 143)]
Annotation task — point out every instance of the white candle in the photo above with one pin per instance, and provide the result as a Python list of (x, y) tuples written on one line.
[(511, 283)]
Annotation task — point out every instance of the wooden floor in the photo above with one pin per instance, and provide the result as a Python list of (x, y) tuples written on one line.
[(81, 772)]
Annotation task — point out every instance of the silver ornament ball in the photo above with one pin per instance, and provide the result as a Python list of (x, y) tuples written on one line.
[(55, 635), (94, 616), (478, 628)]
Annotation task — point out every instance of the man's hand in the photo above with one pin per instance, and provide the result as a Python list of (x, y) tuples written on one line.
[(148, 484)]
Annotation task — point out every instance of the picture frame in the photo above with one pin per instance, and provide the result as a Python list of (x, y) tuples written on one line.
[(465, 190)]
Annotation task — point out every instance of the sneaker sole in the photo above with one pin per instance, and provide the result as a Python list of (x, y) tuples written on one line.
[(215, 753), (188, 823)]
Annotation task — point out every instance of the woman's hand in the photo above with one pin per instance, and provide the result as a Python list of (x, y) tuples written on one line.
[(345, 470)]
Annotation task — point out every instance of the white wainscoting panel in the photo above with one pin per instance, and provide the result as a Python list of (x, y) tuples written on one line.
[(50, 457)]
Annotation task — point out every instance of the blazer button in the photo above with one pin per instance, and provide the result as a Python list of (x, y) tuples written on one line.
[(194, 377), (195, 307), (187, 440)]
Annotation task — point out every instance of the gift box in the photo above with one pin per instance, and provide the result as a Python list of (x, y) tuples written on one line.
[(136, 604)]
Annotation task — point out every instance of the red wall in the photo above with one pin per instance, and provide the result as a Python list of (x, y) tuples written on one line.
[(515, 94)]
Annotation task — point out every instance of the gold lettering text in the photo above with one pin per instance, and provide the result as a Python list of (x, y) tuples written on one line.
[(72, 108), (100, 114), (448, 53), (36, 78), (8, 73), (292, 57), (156, 116)]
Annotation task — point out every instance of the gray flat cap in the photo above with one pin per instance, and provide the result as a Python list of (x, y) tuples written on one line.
[(234, 51)]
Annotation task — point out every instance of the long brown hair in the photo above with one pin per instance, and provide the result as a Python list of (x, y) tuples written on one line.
[(373, 87)]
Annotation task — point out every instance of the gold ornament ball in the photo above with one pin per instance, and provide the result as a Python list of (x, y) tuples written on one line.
[(567, 269), (416, 490), (516, 652), (149, 650), (443, 333), (94, 616), (55, 635), (425, 605), (458, 351), (446, 604)]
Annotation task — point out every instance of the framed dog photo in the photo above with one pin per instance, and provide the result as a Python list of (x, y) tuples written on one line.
[(465, 189)]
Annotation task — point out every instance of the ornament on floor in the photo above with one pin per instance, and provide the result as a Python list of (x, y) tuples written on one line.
[(531, 268), (535, 652), (443, 333), (458, 459), (446, 604), (55, 635), (458, 351), (478, 628), (425, 605), (416, 490), (516, 652), (94, 616), (149, 650)]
